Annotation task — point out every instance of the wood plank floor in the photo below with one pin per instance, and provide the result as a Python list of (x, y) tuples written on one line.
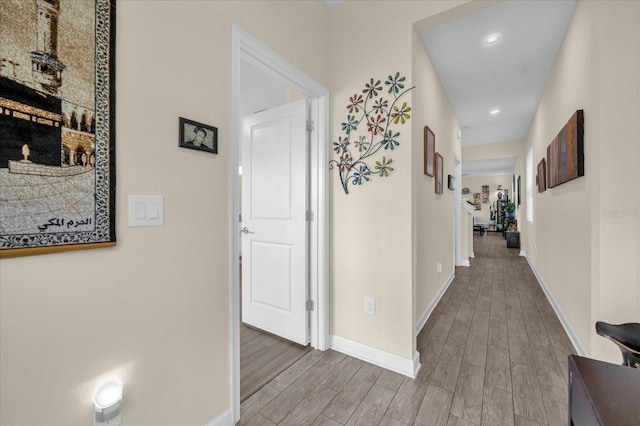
[(263, 357), (493, 353)]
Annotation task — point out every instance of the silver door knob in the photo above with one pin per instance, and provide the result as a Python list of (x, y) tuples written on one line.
[(245, 230)]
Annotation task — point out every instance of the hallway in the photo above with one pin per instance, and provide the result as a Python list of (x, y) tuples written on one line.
[(493, 353)]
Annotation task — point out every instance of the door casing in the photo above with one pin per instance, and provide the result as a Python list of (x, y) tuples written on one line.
[(244, 45)]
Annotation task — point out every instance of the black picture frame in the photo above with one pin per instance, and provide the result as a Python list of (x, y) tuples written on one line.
[(198, 136), (60, 101), (451, 182)]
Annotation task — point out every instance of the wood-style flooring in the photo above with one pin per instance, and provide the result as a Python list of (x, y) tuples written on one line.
[(493, 353), (262, 357)]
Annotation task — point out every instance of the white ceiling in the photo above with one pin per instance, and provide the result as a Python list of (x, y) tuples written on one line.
[(509, 75)]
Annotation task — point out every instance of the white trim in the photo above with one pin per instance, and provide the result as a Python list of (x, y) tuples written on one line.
[(457, 212), (223, 419), (465, 263), (393, 362), (427, 313), (523, 253), (467, 207), (472, 254), (563, 320), (244, 45)]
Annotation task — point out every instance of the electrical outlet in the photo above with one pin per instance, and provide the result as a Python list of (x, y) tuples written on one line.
[(369, 305), (439, 266)]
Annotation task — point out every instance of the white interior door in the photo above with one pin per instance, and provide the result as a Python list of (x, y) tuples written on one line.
[(274, 224)]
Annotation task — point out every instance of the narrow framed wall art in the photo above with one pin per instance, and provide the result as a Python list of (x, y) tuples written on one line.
[(439, 168)]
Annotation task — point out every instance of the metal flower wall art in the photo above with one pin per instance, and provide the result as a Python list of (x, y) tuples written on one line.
[(371, 126)]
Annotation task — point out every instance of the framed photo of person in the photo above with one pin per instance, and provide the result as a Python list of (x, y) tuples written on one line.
[(199, 136)]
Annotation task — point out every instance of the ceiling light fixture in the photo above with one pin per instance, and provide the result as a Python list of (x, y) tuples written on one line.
[(491, 39), (494, 111)]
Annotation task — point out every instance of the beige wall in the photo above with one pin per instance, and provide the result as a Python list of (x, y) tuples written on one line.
[(155, 309), (616, 287), (433, 213), (372, 252), (581, 251), (493, 151)]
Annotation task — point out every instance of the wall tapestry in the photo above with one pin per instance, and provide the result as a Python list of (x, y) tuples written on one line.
[(372, 120), (565, 154), (57, 140)]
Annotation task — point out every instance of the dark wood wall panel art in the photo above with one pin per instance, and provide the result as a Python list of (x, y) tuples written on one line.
[(565, 154)]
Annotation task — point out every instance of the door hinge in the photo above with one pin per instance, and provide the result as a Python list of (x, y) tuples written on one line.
[(310, 126), (309, 215), (309, 305)]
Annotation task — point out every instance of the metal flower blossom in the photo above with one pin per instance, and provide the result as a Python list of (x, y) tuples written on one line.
[(362, 175), (395, 83), (346, 162), (371, 89), (354, 103), (370, 126), (380, 106), (384, 168), (340, 146), (350, 124), (400, 114), (389, 141), (361, 143)]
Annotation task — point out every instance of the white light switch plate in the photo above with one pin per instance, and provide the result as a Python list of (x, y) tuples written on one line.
[(146, 210), (369, 305)]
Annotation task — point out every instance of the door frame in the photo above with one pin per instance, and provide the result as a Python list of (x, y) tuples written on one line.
[(457, 214), (244, 45)]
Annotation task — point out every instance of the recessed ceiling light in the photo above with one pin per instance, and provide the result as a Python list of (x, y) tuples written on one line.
[(494, 111), (491, 39)]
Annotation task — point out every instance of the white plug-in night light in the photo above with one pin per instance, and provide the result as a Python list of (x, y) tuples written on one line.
[(107, 403), (491, 39)]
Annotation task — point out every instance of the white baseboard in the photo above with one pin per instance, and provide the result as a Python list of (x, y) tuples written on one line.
[(425, 315), (389, 361), (223, 419), (465, 263), (471, 254), (563, 320), (523, 253)]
